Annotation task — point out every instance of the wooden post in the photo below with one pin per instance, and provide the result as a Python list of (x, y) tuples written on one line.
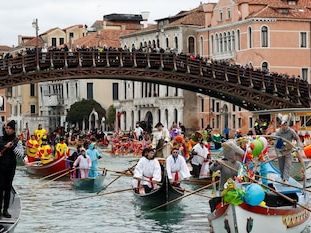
[(66, 62), (174, 62), (79, 59), (187, 65), (23, 64), (251, 84), (134, 59), (263, 83), (238, 75), (93, 58), (148, 60), (121, 59), (51, 60), (200, 67), (226, 74), (107, 59), (161, 61)]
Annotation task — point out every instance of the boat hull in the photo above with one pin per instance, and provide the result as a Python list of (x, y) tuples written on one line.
[(7, 225), (198, 182), (259, 219), (90, 184), (48, 169), (164, 194)]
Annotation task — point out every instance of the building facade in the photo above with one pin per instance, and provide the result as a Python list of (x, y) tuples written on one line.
[(265, 35), (142, 101)]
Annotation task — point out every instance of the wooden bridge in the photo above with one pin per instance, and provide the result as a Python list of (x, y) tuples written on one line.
[(249, 89)]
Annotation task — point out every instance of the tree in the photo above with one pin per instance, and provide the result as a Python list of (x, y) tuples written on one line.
[(82, 109), (111, 116)]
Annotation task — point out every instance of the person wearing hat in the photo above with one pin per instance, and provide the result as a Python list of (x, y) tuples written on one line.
[(147, 172), (10, 147), (199, 156), (160, 141), (61, 149), (45, 152), (176, 167), (95, 156), (83, 163), (284, 151), (232, 156)]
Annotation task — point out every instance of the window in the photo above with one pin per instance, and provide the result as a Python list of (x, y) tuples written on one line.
[(303, 40), (201, 46), (233, 107), (125, 90), (217, 107), (217, 121), (217, 43), (159, 115), (202, 104), (239, 122), (158, 43), (229, 41), (115, 91), (167, 43), (191, 45), (67, 89), (133, 86), (213, 105), (32, 109), (89, 91), (264, 36), (250, 121), (142, 89), (233, 121), (54, 42), (132, 116), (238, 39), (61, 41), (124, 115), (233, 40), (175, 115), (176, 42), (176, 91), (220, 43), (167, 91), (32, 89), (220, 16), (76, 90), (250, 37), (265, 67), (229, 13), (202, 123), (166, 117), (212, 44), (225, 42), (71, 35), (139, 115), (304, 74)]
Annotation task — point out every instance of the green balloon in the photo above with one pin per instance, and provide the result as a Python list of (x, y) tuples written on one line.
[(257, 147)]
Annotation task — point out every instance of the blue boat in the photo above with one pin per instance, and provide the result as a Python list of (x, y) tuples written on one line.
[(91, 184)]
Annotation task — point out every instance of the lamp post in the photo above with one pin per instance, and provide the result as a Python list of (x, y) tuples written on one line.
[(36, 27)]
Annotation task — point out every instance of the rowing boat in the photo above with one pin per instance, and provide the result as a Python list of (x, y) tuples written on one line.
[(162, 195), (38, 169), (279, 214), (7, 225), (91, 184)]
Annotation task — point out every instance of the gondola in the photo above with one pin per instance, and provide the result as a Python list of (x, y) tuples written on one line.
[(90, 184), (160, 196), (7, 225), (36, 168), (199, 181)]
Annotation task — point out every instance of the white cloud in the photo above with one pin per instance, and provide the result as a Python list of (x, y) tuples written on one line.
[(16, 16)]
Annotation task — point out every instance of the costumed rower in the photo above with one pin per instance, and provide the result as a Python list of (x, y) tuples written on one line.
[(95, 156), (40, 132), (147, 172), (61, 149), (200, 155), (176, 167), (10, 147), (32, 146), (161, 140), (84, 163), (45, 152)]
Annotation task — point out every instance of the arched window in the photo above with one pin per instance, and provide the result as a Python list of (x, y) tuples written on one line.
[(212, 44), (229, 41), (158, 43), (139, 115), (201, 46), (141, 44), (250, 37), (166, 117), (225, 42), (167, 42), (265, 66), (124, 115), (175, 115), (154, 44), (233, 40), (159, 115), (149, 44), (220, 43), (191, 46), (238, 39), (145, 44), (132, 116), (264, 36), (217, 43), (176, 42)]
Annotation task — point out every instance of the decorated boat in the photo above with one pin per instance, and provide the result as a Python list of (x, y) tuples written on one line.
[(39, 169), (7, 225), (91, 184), (160, 196)]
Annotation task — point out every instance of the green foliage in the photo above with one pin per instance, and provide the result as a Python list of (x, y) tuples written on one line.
[(82, 109), (111, 116)]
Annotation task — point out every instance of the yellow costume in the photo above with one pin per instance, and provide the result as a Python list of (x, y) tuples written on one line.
[(39, 135), (45, 154), (32, 149), (61, 150)]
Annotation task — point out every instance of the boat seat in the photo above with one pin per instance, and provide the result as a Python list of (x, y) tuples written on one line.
[(274, 200)]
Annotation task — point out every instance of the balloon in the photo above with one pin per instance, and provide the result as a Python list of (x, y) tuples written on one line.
[(264, 141), (254, 195), (257, 147)]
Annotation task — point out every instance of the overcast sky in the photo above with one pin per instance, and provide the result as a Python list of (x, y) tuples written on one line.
[(16, 16)]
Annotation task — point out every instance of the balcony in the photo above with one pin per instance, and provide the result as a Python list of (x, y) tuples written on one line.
[(224, 55), (52, 101), (151, 102)]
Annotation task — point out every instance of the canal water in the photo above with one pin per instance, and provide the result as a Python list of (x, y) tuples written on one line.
[(111, 213)]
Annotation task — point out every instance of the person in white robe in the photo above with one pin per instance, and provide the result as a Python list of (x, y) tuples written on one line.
[(176, 168), (161, 141), (147, 173), (200, 156)]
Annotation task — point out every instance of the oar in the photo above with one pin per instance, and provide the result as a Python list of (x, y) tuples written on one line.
[(267, 187), (95, 195), (58, 177), (187, 195), (198, 194), (118, 177), (53, 174)]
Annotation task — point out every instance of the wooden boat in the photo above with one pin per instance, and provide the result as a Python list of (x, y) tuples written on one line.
[(90, 184), (160, 196), (7, 225), (279, 215), (36, 168), (198, 181)]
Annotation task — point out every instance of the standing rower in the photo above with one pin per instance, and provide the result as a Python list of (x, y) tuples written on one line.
[(161, 140)]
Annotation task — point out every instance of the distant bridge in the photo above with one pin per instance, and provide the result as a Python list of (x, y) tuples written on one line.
[(246, 88)]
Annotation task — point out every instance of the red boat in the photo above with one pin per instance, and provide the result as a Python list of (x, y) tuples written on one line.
[(36, 168)]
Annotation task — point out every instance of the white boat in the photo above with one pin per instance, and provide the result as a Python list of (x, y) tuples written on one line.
[(279, 215)]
